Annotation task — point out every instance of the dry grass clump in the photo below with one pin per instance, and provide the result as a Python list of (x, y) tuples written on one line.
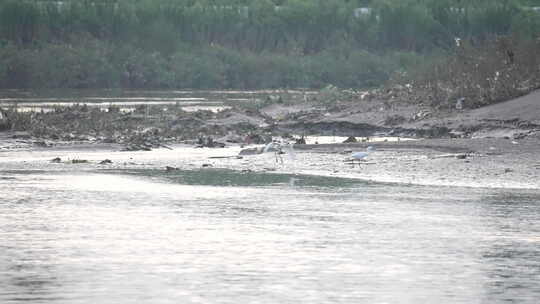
[(479, 75)]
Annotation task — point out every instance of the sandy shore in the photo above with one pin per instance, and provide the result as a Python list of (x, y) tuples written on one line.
[(488, 162)]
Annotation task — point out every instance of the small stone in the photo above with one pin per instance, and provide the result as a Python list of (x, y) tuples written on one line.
[(79, 161), (40, 143), (301, 141), (250, 151), (350, 139)]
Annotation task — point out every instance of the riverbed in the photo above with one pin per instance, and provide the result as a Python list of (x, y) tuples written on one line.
[(215, 228)]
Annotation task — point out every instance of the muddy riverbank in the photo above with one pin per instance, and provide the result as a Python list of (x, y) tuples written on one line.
[(255, 120), (494, 146), (489, 163)]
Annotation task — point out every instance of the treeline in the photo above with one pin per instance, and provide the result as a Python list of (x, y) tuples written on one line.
[(239, 43)]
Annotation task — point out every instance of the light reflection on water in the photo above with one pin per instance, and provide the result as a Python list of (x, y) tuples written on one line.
[(125, 107), (127, 100), (216, 236)]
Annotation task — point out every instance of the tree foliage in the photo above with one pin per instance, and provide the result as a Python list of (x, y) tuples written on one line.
[(239, 43)]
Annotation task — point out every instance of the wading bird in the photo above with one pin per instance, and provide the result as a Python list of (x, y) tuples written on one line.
[(361, 156), (278, 149)]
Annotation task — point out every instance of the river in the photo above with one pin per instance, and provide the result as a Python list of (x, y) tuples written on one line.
[(134, 233), (129, 100)]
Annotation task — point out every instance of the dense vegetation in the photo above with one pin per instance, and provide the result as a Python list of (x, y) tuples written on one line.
[(241, 44)]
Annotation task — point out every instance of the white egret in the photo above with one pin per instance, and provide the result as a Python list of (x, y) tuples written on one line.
[(278, 149), (361, 156), (271, 147)]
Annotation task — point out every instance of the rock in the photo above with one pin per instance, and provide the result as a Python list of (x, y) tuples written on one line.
[(232, 138), (21, 135), (79, 161), (40, 143), (209, 142), (250, 151), (254, 139), (109, 140), (451, 155), (68, 137), (350, 139), (461, 156), (421, 115), (274, 99), (457, 134), (132, 147), (301, 141)]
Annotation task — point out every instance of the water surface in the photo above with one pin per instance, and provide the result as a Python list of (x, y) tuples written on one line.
[(143, 235), (129, 100)]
